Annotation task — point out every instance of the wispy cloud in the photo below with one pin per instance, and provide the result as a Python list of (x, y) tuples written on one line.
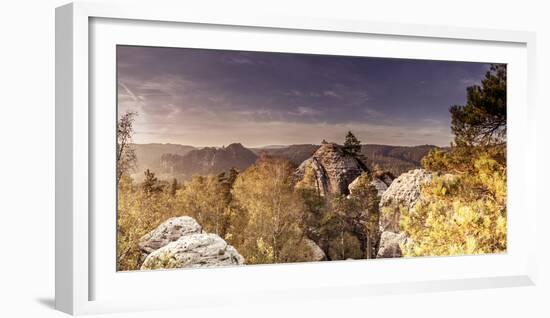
[(331, 94), (128, 91), (307, 111), (212, 97), (470, 81)]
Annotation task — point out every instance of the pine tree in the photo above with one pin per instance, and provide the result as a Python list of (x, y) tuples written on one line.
[(463, 209), (174, 187), (482, 120), (232, 176), (352, 145), (151, 184)]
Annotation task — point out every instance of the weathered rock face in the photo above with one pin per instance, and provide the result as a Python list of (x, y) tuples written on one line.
[(180, 242), (386, 177), (208, 160), (380, 185), (194, 250), (317, 253), (334, 169), (390, 245), (403, 192), (169, 231)]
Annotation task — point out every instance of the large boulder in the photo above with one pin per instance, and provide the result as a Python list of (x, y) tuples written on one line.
[(385, 176), (194, 250), (316, 253), (390, 244), (380, 183), (334, 169), (404, 192), (169, 231)]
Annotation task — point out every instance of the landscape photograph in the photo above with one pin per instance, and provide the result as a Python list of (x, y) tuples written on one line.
[(238, 158)]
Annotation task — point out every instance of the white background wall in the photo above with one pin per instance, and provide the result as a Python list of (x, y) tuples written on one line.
[(27, 159)]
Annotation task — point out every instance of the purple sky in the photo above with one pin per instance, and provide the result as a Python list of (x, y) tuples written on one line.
[(214, 97)]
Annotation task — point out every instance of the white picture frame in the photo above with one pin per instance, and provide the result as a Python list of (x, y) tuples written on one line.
[(84, 30)]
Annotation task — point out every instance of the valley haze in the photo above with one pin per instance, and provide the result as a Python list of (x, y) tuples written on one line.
[(183, 161)]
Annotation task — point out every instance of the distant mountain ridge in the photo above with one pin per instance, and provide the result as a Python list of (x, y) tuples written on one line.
[(395, 159), (209, 160), (149, 155), (182, 162), (294, 153)]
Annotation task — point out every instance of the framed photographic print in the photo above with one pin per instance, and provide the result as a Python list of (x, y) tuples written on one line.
[(273, 158)]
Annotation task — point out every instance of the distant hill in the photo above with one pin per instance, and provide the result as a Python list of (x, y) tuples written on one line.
[(207, 160), (396, 159), (272, 147), (294, 153), (148, 155)]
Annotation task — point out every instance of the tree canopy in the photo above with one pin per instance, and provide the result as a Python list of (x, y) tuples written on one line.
[(125, 154), (482, 120), (352, 145), (463, 209)]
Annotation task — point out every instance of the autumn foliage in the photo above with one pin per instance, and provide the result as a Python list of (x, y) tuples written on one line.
[(463, 210)]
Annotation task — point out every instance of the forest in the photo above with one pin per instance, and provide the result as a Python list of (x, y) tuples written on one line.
[(337, 201)]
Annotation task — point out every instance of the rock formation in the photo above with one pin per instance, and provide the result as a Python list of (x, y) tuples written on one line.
[(194, 250), (404, 192), (208, 160), (334, 169), (317, 253), (390, 244), (379, 181), (180, 242), (169, 231)]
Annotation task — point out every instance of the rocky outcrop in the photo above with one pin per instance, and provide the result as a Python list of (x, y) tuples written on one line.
[(180, 242), (194, 250), (380, 186), (208, 160), (403, 192), (169, 231), (316, 253), (380, 183), (334, 169), (385, 176), (390, 245)]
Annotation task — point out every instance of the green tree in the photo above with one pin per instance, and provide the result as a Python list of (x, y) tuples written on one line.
[(352, 145), (482, 120), (265, 193), (232, 176), (317, 220), (125, 154), (206, 199), (463, 209), (364, 224), (351, 235), (138, 213), (460, 214), (151, 184), (174, 187)]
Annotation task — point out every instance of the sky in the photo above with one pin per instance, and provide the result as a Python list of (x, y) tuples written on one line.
[(202, 97)]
